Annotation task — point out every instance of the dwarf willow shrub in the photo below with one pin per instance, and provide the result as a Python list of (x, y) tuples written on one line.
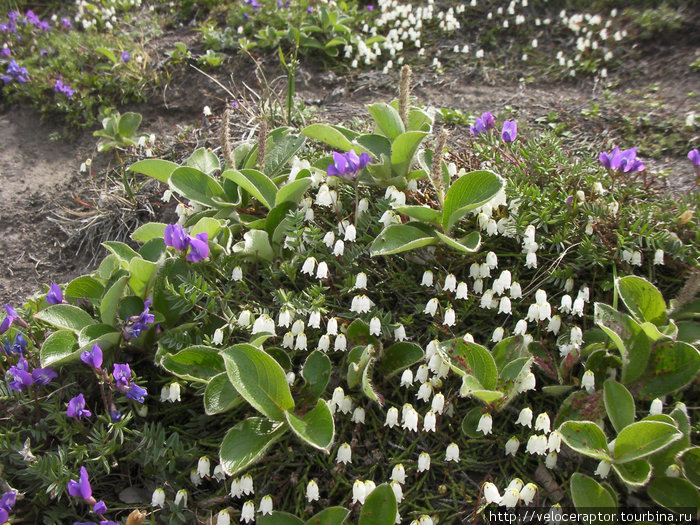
[(334, 379)]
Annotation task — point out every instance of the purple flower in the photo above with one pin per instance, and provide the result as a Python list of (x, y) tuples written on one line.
[(80, 489), (44, 26), (176, 237), (31, 17), (694, 156), (100, 507), (7, 501), (126, 56), (59, 86), (309, 9), (6, 52), (13, 16), (76, 408), (55, 295), (253, 3), (43, 376), (66, 23), (370, 7), (347, 164), (140, 322), (115, 415), (136, 393), (4, 516), (121, 374), (199, 249), (483, 123), (15, 72), (19, 346), (510, 131), (92, 357), (623, 161), (21, 377)]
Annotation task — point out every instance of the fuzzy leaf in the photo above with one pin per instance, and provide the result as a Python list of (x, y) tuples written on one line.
[(316, 427), (247, 442), (387, 119), (587, 493), (400, 238), (643, 299), (203, 161), (159, 169), (195, 363), (643, 438), (65, 316), (586, 438), (380, 507), (619, 404), (468, 192), (256, 183), (196, 186)]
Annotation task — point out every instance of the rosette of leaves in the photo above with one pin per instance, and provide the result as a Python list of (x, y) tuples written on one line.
[(641, 449), (119, 131), (224, 197), (655, 355)]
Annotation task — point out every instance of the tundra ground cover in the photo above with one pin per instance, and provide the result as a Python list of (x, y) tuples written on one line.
[(327, 331)]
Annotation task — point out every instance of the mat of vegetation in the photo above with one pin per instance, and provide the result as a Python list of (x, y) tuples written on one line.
[(355, 305)]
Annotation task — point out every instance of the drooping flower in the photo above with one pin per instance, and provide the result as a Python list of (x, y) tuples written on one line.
[(158, 498), (359, 492), (485, 424), (656, 408), (452, 453), (588, 381), (510, 131), (312, 493), (490, 492), (266, 505), (423, 462), (344, 454), (525, 417), (429, 422), (512, 446), (398, 474), (55, 295), (81, 488), (248, 511)]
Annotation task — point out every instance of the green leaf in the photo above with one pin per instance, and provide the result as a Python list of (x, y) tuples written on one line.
[(142, 273), (204, 161), (256, 183), (196, 186), (329, 516), (282, 151), (65, 316), (643, 438), (380, 507), (159, 169), (673, 493), (388, 120), (419, 120), (587, 493), (403, 151), (642, 299), (195, 363), (634, 473), (619, 404), (247, 442), (279, 518), (400, 356), (467, 244), (422, 213), (400, 238), (628, 337), (85, 286), (468, 192), (107, 53), (586, 438), (316, 372), (368, 386), (689, 461), (470, 422), (220, 396), (148, 231), (257, 244), (471, 359), (128, 124), (259, 379), (671, 367), (316, 427), (110, 302), (123, 251), (376, 145), (328, 135), (93, 332), (293, 191), (60, 347), (207, 225)]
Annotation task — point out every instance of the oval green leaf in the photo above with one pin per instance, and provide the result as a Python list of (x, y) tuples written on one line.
[(400, 238), (468, 192), (316, 427), (643, 438), (619, 404), (587, 493), (196, 186), (220, 396), (159, 169), (380, 507), (65, 316), (247, 442), (586, 438), (642, 299)]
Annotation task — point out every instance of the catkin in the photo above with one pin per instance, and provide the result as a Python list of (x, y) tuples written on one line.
[(225, 139), (404, 93)]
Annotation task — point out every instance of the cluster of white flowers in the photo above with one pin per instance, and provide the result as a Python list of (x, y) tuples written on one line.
[(516, 492)]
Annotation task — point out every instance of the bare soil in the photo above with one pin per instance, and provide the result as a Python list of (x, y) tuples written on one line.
[(40, 175)]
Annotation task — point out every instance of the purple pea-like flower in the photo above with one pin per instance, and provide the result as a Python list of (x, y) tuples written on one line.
[(176, 237), (5, 52), (81, 488), (125, 56), (347, 164), (483, 123), (623, 161), (43, 376), (21, 379), (115, 415), (140, 322), (7, 501), (136, 393), (66, 23), (60, 87), (4, 516), (31, 17), (19, 346), (55, 295), (199, 249), (76, 408), (694, 156), (13, 16), (15, 72), (122, 375), (100, 507), (510, 131), (92, 357), (44, 25)]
